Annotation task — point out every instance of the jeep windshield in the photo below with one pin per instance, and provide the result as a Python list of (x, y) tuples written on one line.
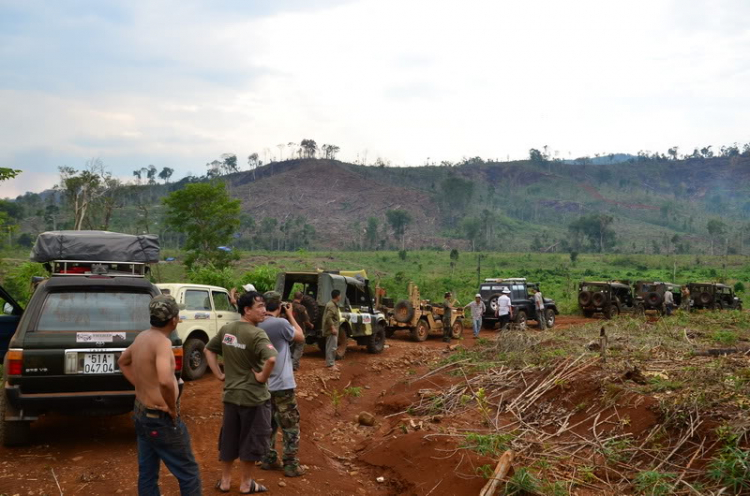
[(95, 311)]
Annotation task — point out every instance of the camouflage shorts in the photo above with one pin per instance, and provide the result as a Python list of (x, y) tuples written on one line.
[(285, 417)]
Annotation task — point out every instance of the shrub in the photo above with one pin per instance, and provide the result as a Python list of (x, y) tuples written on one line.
[(654, 483), (262, 277), (208, 274)]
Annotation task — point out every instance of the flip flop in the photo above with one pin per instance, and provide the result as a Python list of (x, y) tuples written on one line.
[(255, 488), (218, 486)]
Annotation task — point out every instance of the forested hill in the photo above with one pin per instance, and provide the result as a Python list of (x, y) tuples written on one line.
[(649, 205)]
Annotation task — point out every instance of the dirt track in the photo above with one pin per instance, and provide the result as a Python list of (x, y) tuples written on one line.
[(98, 455)]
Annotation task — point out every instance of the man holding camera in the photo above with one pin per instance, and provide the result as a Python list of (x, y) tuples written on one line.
[(283, 332)]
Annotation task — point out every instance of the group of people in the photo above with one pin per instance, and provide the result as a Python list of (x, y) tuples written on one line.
[(504, 310), (259, 398)]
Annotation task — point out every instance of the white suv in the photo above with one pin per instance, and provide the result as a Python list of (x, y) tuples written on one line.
[(203, 310)]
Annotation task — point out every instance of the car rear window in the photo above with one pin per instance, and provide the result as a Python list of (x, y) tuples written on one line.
[(99, 311)]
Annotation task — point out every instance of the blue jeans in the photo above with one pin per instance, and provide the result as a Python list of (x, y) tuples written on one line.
[(477, 326), (160, 438)]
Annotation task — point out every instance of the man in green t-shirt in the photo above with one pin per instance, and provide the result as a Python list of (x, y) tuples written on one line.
[(331, 320), (249, 359)]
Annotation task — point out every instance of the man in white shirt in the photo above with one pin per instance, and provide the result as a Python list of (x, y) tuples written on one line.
[(668, 302), (504, 309), (477, 310), (539, 305)]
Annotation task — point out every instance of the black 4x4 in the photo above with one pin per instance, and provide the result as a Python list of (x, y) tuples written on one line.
[(63, 355), (650, 295), (609, 298), (520, 299), (713, 296)]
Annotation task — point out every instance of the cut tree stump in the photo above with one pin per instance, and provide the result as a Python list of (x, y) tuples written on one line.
[(501, 470)]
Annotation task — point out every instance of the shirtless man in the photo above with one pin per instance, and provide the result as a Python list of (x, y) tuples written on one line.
[(149, 365)]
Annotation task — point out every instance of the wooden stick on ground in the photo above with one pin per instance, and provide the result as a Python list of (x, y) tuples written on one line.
[(501, 470)]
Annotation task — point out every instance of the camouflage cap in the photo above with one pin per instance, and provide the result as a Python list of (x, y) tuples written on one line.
[(271, 296), (163, 308)]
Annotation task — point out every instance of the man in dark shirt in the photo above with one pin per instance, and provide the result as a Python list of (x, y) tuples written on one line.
[(331, 321)]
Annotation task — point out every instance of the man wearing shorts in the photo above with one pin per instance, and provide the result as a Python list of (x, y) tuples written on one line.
[(149, 365), (249, 359)]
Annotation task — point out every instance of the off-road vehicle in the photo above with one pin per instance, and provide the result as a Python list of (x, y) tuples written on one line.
[(63, 356), (520, 299), (608, 298), (420, 317), (649, 295), (203, 311), (713, 296), (359, 319)]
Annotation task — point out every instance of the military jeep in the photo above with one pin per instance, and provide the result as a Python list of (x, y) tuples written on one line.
[(608, 298), (359, 319), (713, 296), (650, 295)]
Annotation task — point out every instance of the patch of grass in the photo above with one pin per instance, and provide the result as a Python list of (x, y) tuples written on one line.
[(557, 488), (485, 471), (654, 483), (353, 391), (488, 444), (617, 450), (659, 384), (724, 337), (731, 468), (522, 482)]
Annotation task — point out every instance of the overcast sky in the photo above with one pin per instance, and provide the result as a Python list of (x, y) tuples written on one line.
[(178, 83)]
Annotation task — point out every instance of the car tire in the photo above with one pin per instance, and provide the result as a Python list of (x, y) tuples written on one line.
[(704, 298), (654, 299), (549, 315), (13, 433), (521, 319), (342, 342), (457, 330), (718, 306), (420, 331), (403, 312), (492, 302), (313, 312), (194, 359), (611, 311), (599, 299), (376, 342)]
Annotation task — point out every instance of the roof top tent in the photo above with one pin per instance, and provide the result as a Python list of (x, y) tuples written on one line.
[(95, 252)]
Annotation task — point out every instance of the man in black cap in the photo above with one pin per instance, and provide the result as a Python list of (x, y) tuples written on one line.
[(149, 365)]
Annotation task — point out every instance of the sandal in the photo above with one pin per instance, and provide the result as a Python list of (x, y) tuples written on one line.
[(218, 486), (255, 488)]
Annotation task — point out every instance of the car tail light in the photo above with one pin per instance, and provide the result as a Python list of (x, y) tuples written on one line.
[(177, 350), (15, 362)]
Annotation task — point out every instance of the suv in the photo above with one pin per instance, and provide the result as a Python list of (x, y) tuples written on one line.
[(63, 356), (609, 298), (713, 296), (359, 319), (649, 295), (520, 299), (203, 311)]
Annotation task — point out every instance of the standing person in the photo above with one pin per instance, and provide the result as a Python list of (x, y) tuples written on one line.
[(331, 320), (477, 310), (504, 309), (149, 365), (303, 319), (447, 310), (685, 301), (249, 359), (283, 332), (539, 305), (233, 293), (668, 302)]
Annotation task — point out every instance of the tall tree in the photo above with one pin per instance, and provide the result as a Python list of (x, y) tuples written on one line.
[(596, 228), (716, 229), (310, 147), (399, 219), (208, 217), (151, 174), (472, 229), (165, 174), (371, 232), (80, 189), (229, 163)]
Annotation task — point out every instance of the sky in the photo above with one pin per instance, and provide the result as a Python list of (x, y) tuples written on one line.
[(177, 83)]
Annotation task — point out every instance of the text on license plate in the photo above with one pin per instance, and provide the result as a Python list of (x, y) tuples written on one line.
[(99, 363)]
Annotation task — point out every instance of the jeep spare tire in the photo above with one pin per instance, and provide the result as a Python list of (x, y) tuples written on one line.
[(653, 299), (403, 311), (312, 309), (599, 299), (584, 298), (193, 359), (705, 298)]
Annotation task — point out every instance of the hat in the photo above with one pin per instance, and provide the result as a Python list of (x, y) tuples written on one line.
[(248, 287), (506, 291), (272, 296), (477, 295), (163, 308)]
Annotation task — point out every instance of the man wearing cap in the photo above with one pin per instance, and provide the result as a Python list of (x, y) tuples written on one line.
[(504, 309), (285, 414), (149, 365), (477, 310), (249, 359), (447, 309)]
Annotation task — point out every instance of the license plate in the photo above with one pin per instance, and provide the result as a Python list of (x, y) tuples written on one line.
[(99, 363)]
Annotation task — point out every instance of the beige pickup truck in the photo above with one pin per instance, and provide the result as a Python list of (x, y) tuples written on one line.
[(203, 310)]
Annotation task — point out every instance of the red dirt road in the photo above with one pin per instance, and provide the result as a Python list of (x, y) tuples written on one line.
[(97, 455)]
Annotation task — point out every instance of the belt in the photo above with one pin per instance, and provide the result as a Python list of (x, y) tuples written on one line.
[(141, 409)]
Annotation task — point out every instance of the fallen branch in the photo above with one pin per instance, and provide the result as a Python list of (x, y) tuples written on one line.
[(501, 470)]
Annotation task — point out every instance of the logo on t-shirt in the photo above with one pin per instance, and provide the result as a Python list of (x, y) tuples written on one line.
[(231, 340)]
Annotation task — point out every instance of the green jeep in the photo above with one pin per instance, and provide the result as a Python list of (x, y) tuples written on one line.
[(359, 319)]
